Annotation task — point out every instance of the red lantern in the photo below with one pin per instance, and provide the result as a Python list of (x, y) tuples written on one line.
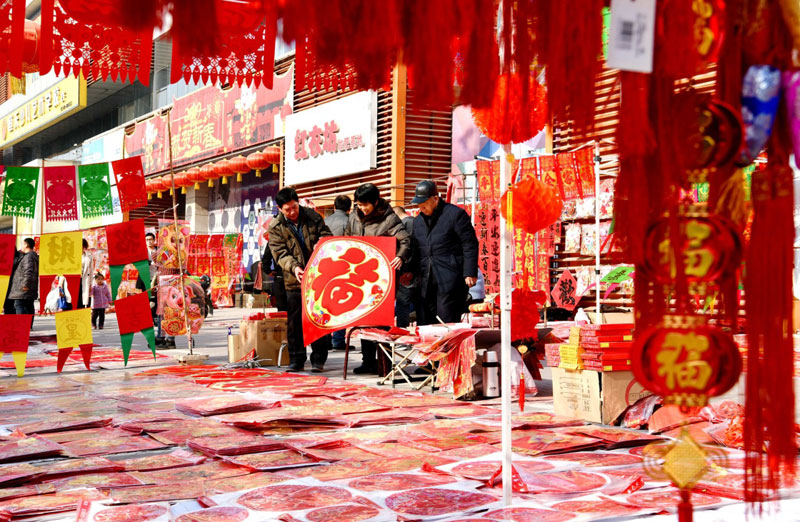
[(239, 165), (182, 180), (512, 118), (257, 161), (195, 176), (223, 170), (534, 205), (209, 173), (686, 361), (273, 155), (159, 185)]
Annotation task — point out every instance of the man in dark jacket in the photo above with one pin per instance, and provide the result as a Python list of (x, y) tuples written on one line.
[(448, 255), (375, 217), (337, 222), (293, 234), (25, 285)]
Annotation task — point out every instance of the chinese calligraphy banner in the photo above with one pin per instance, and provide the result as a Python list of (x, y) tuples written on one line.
[(73, 328), (60, 195), (129, 174), (487, 226), (584, 163), (348, 282), (19, 195), (60, 253), (565, 292), (95, 189), (548, 170), (568, 176)]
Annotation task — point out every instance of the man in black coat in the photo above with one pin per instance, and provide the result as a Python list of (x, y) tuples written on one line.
[(447, 252)]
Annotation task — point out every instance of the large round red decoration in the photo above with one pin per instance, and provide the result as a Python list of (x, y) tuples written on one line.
[(195, 176), (239, 165), (209, 173), (686, 361), (223, 170), (513, 118), (273, 155), (534, 205), (257, 161), (711, 249)]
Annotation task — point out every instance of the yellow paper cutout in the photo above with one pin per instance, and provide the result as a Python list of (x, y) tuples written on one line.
[(19, 361), (60, 254), (3, 287), (74, 328)]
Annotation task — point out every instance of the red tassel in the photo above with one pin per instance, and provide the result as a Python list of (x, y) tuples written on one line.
[(522, 388), (685, 510), (481, 59)]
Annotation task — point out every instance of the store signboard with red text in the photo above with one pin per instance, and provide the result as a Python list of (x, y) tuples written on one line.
[(332, 140)]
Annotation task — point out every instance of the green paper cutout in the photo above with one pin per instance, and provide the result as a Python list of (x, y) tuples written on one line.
[(95, 190), (127, 342), (150, 335), (115, 271), (618, 275), (19, 195)]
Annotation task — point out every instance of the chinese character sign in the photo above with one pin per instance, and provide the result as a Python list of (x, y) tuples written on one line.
[(348, 282), (487, 226), (60, 253), (565, 292)]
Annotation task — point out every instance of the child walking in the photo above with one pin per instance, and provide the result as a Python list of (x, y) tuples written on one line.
[(101, 298)]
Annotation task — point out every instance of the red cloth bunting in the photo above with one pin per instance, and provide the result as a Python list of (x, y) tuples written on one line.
[(130, 182), (15, 331), (133, 313), (61, 202), (348, 282), (126, 243), (8, 244)]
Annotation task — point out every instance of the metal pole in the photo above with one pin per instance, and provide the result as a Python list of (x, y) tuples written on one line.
[(506, 258), (177, 234), (597, 242), (474, 196)]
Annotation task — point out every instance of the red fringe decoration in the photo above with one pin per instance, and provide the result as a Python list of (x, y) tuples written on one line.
[(512, 117), (481, 59)]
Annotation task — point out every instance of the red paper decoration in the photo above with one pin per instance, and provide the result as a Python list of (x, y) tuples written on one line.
[(60, 202), (209, 173), (130, 182), (133, 313), (534, 205), (512, 118), (686, 361), (222, 169), (195, 175), (182, 181), (126, 243), (565, 291), (273, 155), (257, 161), (8, 244), (239, 165)]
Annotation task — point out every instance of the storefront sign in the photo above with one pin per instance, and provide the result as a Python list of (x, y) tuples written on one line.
[(332, 140), (59, 101), (210, 122)]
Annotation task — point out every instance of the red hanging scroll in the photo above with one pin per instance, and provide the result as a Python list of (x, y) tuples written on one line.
[(130, 183), (584, 163), (60, 203), (348, 282)]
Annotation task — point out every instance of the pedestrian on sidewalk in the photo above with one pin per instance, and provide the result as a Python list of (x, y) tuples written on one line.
[(375, 217), (337, 222), (101, 298), (293, 234), (447, 249)]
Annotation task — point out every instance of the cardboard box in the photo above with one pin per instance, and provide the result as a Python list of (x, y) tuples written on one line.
[(255, 301), (236, 352), (609, 317), (594, 396), (266, 336)]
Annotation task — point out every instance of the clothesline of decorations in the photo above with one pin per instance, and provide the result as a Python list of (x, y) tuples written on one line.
[(64, 186)]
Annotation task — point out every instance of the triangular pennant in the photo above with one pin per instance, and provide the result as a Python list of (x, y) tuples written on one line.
[(19, 362), (127, 341), (63, 355), (86, 353)]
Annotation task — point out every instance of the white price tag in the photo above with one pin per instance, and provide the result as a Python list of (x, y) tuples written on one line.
[(631, 35)]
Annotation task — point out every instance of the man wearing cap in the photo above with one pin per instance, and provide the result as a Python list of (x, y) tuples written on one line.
[(447, 249)]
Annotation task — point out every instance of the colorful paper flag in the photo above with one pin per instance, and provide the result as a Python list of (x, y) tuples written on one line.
[(19, 196), (347, 282), (130, 182), (134, 315), (127, 246), (60, 253), (95, 190), (60, 194), (74, 328), (568, 176), (15, 331)]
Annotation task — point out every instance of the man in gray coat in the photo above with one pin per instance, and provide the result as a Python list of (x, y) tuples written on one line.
[(337, 222), (25, 285), (375, 217)]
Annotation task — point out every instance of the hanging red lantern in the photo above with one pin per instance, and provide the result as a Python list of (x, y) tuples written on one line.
[(534, 205), (209, 173), (195, 176), (512, 117), (223, 170), (182, 180), (166, 183), (159, 185), (257, 161), (686, 361), (239, 165), (273, 155)]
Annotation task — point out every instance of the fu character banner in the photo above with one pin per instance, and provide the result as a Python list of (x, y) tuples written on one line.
[(348, 282)]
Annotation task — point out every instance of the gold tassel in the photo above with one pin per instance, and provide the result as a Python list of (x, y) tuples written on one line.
[(731, 201)]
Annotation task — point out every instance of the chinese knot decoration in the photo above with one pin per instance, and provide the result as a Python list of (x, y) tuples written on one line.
[(348, 282)]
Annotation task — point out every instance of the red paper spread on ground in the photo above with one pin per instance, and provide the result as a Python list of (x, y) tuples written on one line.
[(526, 514), (399, 481), (130, 514), (216, 514), (348, 282), (293, 497), (126, 243), (436, 501), (606, 507), (133, 313)]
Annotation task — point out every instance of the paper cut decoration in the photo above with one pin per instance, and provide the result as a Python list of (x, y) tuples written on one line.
[(95, 190), (7, 248), (15, 331), (564, 293), (133, 315), (348, 282), (60, 195), (74, 328), (126, 246), (60, 253), (170, 304), (130, 183), (19, 196)]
